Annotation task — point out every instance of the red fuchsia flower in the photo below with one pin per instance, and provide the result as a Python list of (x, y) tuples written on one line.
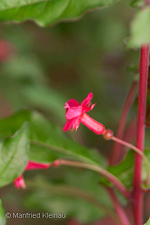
[(19, 182), (76, 114)]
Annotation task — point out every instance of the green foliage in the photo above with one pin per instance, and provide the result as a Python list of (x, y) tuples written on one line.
[(2, 214), (47, 12), (24, 84), (140, 28), (47, 141), (147, 153), (137, 3), (124, 170), (148, 222), (70, 193), (14, 155)]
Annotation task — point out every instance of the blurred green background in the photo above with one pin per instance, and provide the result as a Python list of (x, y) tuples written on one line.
[(51, 65)]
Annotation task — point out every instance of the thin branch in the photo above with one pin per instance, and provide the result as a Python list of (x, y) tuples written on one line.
[(113, 179), (125, 111), (120, 211)]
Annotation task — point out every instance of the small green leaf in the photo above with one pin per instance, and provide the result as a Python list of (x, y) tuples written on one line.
[(148, 222), (14, 155), (2, 214), (140, 29), (46, 12)]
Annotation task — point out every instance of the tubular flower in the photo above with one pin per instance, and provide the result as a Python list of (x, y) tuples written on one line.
[(76, 114), (35, 165), (19, 181)]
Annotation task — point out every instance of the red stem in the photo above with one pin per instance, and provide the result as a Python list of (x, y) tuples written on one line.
[(137, 192), (125, 111), (120, 211)]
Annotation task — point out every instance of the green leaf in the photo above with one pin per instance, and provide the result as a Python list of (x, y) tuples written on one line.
[(137, 3), (2, 214), (140, 29), (19, 3), (53, 144), (148, 222), (14, 155), (48, 11), (147, 153), (48, 142), (124, 170), (68, 194)]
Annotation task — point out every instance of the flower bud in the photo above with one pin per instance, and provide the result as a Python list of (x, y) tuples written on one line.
[(108, 134)]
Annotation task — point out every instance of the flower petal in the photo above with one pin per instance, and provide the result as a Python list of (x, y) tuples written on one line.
[(73, 112), (76, 123), (87, 101), (72, 103), (72, 124), (68, 125), (19, 182), (35, 165), (86, 109)]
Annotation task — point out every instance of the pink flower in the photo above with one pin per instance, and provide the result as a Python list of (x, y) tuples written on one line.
[(19, 181), (76, 114), (35, 165)]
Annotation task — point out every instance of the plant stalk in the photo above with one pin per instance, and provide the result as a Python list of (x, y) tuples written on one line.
[(120, 211), (140, 136)]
